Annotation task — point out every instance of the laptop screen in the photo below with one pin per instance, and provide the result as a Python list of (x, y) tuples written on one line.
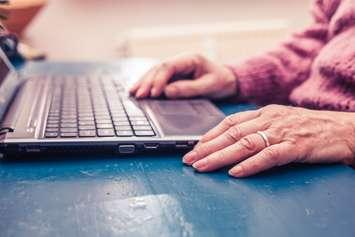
[(9, 83)]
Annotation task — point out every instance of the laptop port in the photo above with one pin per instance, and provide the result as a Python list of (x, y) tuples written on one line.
[(181, 145), (126, 149), (151, 146)]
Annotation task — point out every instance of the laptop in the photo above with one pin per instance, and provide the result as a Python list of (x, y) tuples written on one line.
[(66, 108)]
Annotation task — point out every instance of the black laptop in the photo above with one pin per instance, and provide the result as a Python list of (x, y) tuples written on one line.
[(77, 111)]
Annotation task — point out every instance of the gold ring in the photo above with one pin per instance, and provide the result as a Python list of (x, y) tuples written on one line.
[(264, 137)]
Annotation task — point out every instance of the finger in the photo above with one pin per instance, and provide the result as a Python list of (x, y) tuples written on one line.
[(145, 83), (134, 88), (232, 154), (231, 136), (144, 89), (190, 88), (163, 75), (228, 122), (138, 83), (177, 65), (269, 157)]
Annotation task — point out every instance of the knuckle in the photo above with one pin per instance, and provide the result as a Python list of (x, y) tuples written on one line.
[(229, 121), (199, 59), (234, 134), (274, 111), (204, 137), (248, 143), (221, 156), (270, 152), (272, 155), (165, 67), (200, 151)]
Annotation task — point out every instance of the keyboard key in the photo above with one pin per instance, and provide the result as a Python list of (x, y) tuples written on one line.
[(53, 121), (53, 117), (87, 133), (123, 128), (68, 120), (68, 125), (124, 133), (118, 115), (132, 109), (139, 122), (99, 118), (104, 125), (105, 132), (136, 118), (144, 133), (101, 112), (86, 119), (85, 114), (116, 107), (121, 123), (120, 119), (52, 125), (86, 123), (103, 121), (54, 113), (142, 128), (68, 130), (68, 112), (117, 111), (51, 134), (68, 134), (51, 129), (69, 117), (87, 127)]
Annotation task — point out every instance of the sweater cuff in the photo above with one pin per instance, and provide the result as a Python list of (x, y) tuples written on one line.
[(252, 86), (257, 81)]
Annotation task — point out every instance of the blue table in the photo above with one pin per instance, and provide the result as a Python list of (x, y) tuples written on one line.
[(155, 195)]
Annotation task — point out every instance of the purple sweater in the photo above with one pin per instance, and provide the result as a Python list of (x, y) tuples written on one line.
[(314, 68)]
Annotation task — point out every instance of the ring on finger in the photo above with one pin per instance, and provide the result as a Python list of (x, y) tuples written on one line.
[(264, 137)]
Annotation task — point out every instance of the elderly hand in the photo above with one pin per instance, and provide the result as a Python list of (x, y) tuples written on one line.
[(197, 77), (294, 135)]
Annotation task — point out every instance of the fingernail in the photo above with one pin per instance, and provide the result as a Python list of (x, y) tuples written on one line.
[(199, 165), (236, 171), (189, 157), (139, 93)]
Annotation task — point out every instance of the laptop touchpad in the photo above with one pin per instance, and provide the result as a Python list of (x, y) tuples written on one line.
[(184, 117)]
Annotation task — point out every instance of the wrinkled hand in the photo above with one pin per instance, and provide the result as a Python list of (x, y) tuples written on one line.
[(186, 76), (295, 135)]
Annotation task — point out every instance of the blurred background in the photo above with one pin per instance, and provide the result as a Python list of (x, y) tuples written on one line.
[(225, 30)]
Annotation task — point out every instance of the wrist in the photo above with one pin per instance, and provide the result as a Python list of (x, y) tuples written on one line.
[(234, 79)]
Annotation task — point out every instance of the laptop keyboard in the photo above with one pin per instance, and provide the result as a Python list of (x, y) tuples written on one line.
[(92, 107)]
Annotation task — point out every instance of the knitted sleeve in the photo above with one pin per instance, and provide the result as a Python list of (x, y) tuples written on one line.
[(269, 78)]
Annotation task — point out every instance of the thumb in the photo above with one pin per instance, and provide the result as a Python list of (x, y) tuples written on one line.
[(190, 88)]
